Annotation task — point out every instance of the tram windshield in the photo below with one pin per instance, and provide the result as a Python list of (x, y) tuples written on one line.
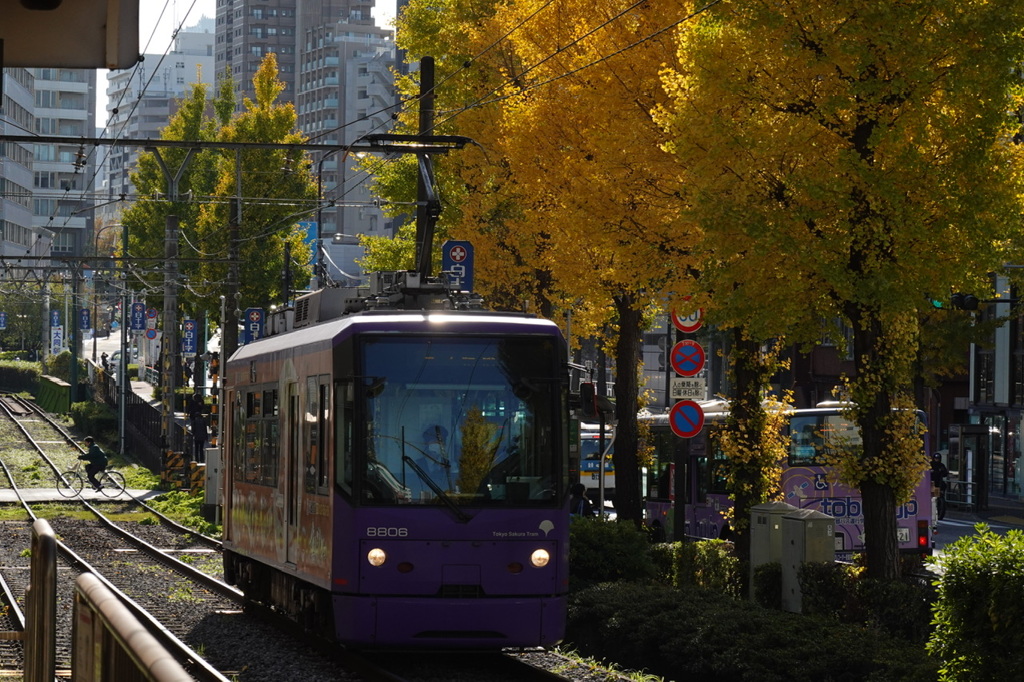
[(462, 421)]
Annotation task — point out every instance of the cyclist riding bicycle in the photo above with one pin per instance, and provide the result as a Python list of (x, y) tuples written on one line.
[(97, 462)]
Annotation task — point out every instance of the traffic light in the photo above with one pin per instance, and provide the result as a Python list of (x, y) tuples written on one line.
[(588, 400), (963, 301)]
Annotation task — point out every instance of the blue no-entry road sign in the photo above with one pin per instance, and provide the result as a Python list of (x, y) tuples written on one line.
[(686, 418), (687, 358)]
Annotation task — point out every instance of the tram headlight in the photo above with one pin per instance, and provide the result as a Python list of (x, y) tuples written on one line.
[(376, 556), (540, 558)]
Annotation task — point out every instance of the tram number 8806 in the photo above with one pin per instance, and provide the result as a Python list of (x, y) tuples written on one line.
[(387, 532)]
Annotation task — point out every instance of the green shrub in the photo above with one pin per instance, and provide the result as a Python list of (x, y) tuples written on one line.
[(901, 608), (663, 557), (980, 607), (826, 587), (19, 376), (767, 582), (60, 366), (94, 418), (697, 634), (710, 564), (601, 551)]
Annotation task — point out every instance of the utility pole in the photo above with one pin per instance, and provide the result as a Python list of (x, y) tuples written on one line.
[(428, 208), (169, 343), (229, 325), (122, 365), (73, 328)]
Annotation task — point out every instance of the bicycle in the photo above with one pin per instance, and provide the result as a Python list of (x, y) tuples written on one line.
[(71, 482)]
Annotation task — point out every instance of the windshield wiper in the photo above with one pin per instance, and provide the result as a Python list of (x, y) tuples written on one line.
[(425, 477)]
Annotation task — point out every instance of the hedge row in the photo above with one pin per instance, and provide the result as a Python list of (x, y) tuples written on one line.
[(677, 610)]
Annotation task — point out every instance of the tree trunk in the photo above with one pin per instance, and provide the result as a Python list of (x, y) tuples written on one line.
[(627, 359), (881, 544), (745, 413)]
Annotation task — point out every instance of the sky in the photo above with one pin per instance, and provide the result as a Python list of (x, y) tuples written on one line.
[(165, 17)]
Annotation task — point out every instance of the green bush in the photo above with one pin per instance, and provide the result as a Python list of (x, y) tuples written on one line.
[(901, 608), (767, 583), (19, 376), (826, 587), (602, 551), (96, 419), (710, 564), (60, 366), (663, 557), (697, 634), (980, 607)]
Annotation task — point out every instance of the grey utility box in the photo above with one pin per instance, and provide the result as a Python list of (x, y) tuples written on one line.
[(766, 532), (212, 500), (766, 535), (807, 536)]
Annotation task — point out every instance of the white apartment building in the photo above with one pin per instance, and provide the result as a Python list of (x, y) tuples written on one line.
[(142, 99), (65, 105)]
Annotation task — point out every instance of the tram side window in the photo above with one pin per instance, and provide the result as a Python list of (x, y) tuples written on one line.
[(251, 449), (240, 438), (271, 440), (344, 401), (322, 467), (317, 418), (257, 449)]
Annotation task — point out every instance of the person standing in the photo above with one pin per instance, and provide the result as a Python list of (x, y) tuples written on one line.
[(940, 472), (199, 435), (97, 462), (579, 504)]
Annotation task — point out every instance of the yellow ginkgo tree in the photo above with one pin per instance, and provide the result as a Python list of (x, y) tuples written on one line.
[(846, 159), (568, 198)]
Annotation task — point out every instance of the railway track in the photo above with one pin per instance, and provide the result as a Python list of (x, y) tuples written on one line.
[(188, 609)]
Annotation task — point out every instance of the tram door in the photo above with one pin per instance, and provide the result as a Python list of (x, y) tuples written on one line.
[(968, 465)]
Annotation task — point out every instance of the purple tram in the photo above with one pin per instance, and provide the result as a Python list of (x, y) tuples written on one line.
[(398, 475)]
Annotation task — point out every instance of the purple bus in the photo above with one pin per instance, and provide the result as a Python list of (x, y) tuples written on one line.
[(686, 493), (399, 476)]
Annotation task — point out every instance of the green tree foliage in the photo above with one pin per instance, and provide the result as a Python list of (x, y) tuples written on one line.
[(25, 315), (278, 192), (827, 148), (146, 219), (276, 187)]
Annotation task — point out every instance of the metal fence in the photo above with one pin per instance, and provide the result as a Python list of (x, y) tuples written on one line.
[(143, 426)]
